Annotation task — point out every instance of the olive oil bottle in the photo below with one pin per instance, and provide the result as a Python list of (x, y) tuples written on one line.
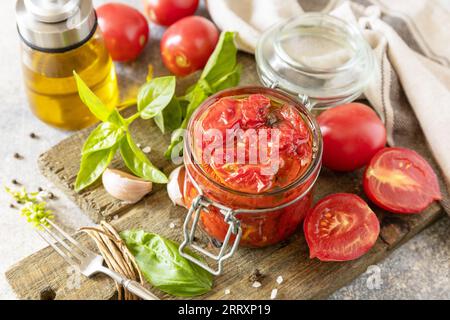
[(59, 37)]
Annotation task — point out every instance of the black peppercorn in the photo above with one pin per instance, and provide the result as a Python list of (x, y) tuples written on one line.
[(18, 156), (256, 276)]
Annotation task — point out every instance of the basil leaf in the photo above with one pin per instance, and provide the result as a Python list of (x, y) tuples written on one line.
[(176, 141), (223, 59), (163, 266), (138, 163), (228, 81), (155, 95), (92, 166), (197, 96), (104, 136), (183, 106), (116, 118), (170, 117), (94, 104), (159, 120)]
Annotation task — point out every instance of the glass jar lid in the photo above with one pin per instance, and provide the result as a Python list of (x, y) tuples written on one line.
[(316, 56)]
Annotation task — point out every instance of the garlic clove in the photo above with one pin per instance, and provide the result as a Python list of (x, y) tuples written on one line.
[(124, 186), (175, 186)]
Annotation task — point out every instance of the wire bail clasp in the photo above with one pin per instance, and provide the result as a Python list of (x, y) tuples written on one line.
[(202, 203)]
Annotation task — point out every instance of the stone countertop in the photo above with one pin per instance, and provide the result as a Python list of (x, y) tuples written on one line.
[(420, 269)]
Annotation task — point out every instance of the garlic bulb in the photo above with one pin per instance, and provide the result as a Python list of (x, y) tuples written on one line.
[(124, 186), (175, 186)]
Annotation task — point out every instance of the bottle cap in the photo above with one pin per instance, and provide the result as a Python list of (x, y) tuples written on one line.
[(55, 25)]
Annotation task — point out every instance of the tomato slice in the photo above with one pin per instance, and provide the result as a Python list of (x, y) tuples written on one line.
[(401, 181), (246, 178), (250, 178), (290, 169), (290, 138), (288, 113), (340, 227), (255, 110), (224, 114)]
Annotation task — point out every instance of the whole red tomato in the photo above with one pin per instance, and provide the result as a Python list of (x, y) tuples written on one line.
[(352, 134), (187, 44), (167, 12), (125, 30)]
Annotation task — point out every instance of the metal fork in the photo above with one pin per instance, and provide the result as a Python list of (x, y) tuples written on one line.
[(89, 262)]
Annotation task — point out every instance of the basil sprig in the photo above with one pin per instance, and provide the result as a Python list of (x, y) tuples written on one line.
[(113, 133), (163, 266), (220, 72), (156, 100)]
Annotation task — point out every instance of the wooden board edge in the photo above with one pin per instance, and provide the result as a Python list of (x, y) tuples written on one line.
[(80, 202), (11, 273)]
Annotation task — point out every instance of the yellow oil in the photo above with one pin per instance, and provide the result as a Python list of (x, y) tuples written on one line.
[(51, 88)]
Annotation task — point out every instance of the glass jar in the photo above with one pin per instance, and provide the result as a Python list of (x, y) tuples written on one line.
[(235, 217), (317, 57), (57, 39), (313, 61)]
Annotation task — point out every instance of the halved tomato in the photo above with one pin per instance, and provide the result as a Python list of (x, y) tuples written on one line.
[(340, 227), (401, 181)]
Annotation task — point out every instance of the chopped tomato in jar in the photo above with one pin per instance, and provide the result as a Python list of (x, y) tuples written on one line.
[(255, 110), (251, 150), (259, 140)]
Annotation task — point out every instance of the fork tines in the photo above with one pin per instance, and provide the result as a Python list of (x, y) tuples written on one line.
[(72, 256)]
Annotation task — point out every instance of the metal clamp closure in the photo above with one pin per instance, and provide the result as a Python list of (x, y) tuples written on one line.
[(202, 203)]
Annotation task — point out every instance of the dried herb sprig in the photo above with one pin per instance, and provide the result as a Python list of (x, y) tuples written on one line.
[(33, 208)]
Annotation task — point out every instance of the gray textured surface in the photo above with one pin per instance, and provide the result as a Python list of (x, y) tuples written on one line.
[(418, 270)]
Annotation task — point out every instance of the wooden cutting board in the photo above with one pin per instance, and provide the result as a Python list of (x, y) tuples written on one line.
[(44, 275)]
